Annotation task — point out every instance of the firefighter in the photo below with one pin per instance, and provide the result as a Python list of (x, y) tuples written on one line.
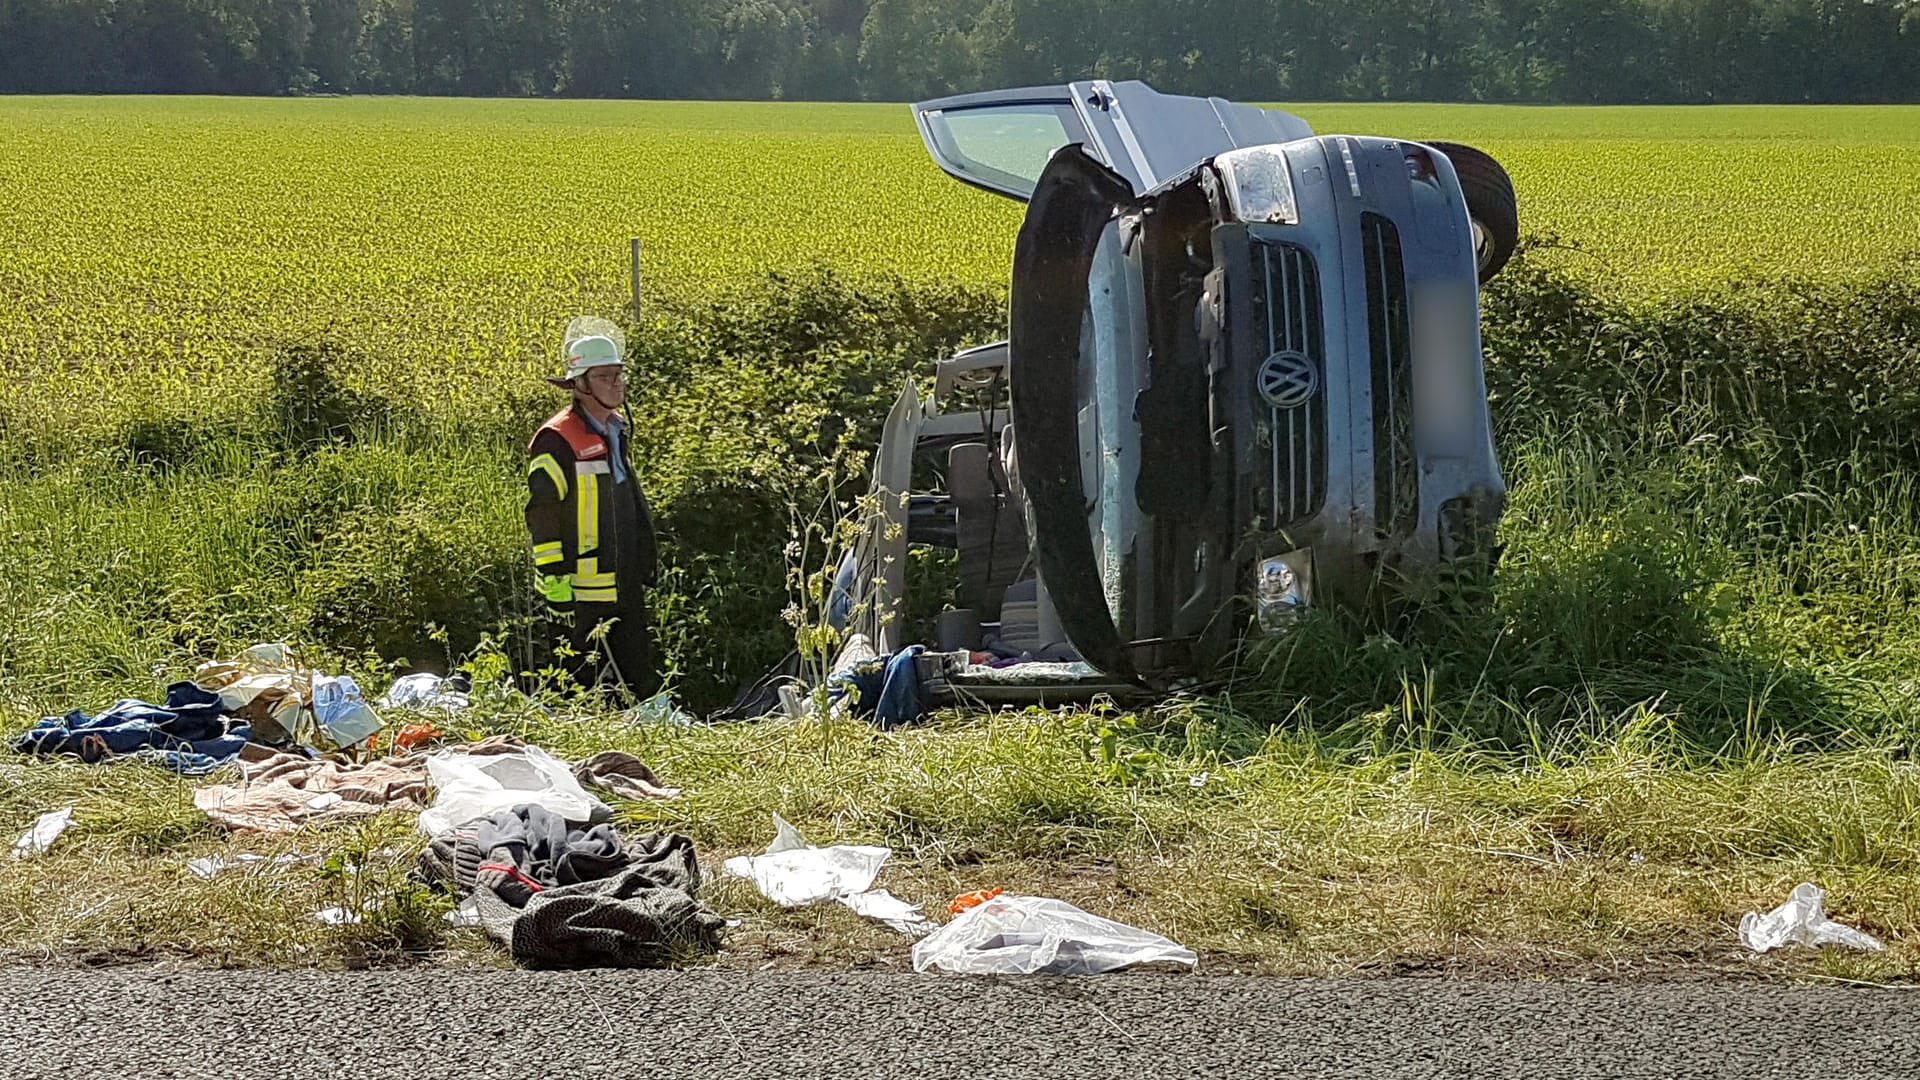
[(593, 542)]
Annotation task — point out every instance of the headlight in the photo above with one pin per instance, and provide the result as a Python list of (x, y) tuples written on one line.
[(1259, 187), (1282, 588)]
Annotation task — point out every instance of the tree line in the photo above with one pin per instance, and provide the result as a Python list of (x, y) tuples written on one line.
[(1550, 51)]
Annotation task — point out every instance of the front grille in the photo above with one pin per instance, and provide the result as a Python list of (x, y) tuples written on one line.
[(1295, 486), (1396, 477)]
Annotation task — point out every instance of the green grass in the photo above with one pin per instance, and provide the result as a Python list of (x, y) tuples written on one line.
[(1270, 852)]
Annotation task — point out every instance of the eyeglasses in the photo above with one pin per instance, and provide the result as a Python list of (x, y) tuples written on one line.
[(604, 375)]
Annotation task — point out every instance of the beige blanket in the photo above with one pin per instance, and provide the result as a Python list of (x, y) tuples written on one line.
[(282, 792)]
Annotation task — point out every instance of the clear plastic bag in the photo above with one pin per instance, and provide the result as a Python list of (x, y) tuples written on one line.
[(468, 788), (1033, 935)]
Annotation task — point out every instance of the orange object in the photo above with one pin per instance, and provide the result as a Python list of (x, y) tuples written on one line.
[(413, 735), (973, 899)]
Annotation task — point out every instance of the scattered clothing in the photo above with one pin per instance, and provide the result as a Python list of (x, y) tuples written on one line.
[(190, 733), (283, 791), (519, 852), (286, 791), (451, 861), (288, 703), (622, 774), (263, 695), (264, 686), (762, 696), (529, 849), (885, 691), (627, 920), (559, 896), (424, 690)]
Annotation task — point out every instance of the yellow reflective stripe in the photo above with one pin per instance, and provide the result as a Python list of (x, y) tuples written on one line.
[(589, 507), (588, 575), (551, 552), (552, 467), (596, 596)]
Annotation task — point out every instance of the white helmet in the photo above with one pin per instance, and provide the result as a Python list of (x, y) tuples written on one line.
[(592, 351), (588, 343)]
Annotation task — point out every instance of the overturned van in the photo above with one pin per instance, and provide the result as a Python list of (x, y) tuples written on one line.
[(1242, 376)]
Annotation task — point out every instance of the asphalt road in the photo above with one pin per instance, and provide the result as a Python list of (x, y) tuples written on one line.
[(432, 1023)]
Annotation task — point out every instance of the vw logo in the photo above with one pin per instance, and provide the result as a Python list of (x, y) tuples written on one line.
[(1288, 379)]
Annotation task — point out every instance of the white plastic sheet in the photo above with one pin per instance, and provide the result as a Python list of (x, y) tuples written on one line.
[(468, 788), (1802, 920), (44, 831), (883, 906), (794, 873), (1033, 935), (467, 914), (341, 915), (210, 867)]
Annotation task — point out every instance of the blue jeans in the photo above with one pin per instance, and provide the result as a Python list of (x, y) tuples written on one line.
[(190, 734)]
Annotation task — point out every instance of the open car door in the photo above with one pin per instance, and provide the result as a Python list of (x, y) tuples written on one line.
[(1000, 140)]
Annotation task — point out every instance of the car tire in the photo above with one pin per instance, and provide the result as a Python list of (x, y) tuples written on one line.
[(1490, 203)]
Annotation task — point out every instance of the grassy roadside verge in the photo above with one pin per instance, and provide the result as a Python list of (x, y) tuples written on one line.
[(1626, 855)]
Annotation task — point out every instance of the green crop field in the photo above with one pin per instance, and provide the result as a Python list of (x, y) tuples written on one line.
[(157, 229), (270, 366)]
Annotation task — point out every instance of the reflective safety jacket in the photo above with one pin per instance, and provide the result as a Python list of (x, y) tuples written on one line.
[(592, 537)]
